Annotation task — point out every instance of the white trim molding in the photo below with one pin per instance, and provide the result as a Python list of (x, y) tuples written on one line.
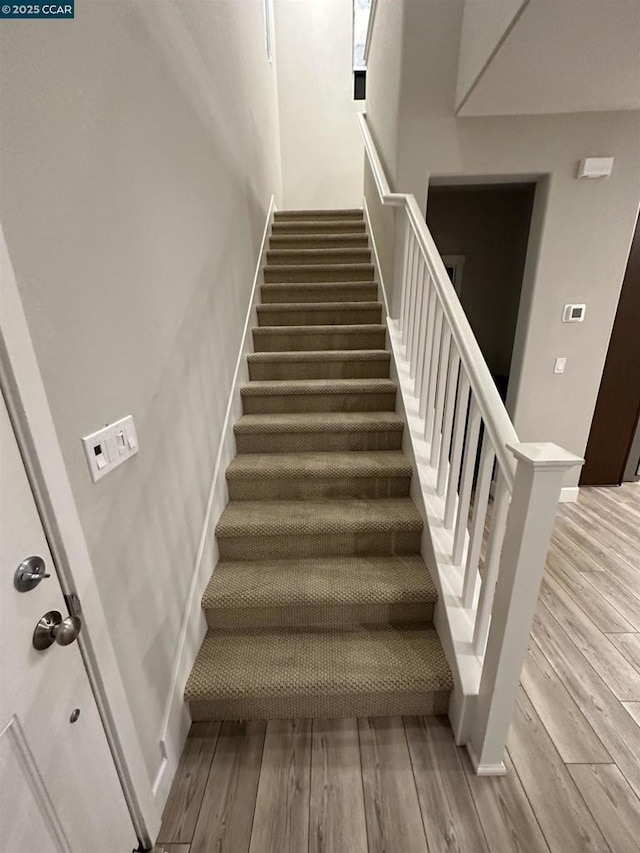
[(569, 494)]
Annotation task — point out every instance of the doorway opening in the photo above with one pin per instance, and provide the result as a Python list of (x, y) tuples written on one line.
[(482, 232)]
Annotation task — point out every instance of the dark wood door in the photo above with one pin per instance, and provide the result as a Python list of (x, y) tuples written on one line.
[(618, 406)]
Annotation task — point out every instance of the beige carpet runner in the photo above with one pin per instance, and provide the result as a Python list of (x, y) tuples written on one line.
[(320, 605)]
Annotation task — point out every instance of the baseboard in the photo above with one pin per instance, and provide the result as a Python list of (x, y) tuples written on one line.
[(485, 769), (176, 721), (376, 258), (569, 494)]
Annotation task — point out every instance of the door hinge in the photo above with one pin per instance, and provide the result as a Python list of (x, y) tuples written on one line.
[(73, 604)]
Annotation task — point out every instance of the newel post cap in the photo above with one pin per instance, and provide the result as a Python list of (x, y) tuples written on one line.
[(545, 456)]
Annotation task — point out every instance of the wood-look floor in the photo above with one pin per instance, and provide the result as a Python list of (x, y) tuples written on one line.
[(393, 785)]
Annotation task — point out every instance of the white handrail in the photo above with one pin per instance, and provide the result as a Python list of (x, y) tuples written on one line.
[(367, 41), (494, 414)]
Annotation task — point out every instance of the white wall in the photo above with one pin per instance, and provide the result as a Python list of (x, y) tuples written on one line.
[(584, 228), (322, 152), (484, 25), (139, 151)]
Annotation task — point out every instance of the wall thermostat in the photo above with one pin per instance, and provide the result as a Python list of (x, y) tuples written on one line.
[(573, 313)]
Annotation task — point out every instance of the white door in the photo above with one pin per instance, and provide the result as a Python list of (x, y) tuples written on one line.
[(59, 790)]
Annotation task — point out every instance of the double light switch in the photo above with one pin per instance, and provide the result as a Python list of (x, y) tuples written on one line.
[(110, 446)]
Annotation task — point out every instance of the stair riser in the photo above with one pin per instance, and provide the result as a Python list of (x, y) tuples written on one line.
[(374, 369), (412, 703), (319, 241), (317, 215), (260, 404), (310, 293), (321, 616), (329, 226), (293, 257), (318, 545), (294, 342), (320, 442), (314, 488), (324, 317), (308, 272)]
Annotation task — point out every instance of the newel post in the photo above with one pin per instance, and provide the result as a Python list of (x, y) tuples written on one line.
[(538, 479)]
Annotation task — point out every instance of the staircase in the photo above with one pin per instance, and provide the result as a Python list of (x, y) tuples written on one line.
[(320, 605)]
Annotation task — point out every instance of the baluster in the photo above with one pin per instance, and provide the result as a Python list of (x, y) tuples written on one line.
[(491, 565), (405, 267), (406, 320), (436, 433), (422, 332), (415, 328), (447, 426), (468, 469), (413, 304), (480, 506), (436, 347), (431, 312), (456, 454)]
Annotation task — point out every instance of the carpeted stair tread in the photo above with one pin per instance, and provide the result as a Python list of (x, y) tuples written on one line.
[(329, 669), (319, 313), (319, 214), (321, 241), (315, 582), (293, 387), (320, 355), (319, 422), (255, 466), (324, 255), (305, 338), (318, 291), (319, 272), (320, 364), (299, 518), (319, 226)]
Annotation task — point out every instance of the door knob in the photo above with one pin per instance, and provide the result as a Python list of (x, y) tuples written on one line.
[(52, 628), (29, 574)]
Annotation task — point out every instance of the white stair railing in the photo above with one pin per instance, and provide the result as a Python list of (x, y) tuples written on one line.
[(467, 444)]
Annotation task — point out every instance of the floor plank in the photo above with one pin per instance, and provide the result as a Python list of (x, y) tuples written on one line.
[(616, 594), (181, 811), (615, 670), (228, 804), (505, 812), (587, 596), (448, 811), (634, 709), (337, 821), (567, 726), (566, 822), (612, 803), (608, 718), (281, 822), (581, 560), (629, 645), (394, 821), (171, 848)]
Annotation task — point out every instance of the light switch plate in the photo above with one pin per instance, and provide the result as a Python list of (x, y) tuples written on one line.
[(110, 446), (560, 365)]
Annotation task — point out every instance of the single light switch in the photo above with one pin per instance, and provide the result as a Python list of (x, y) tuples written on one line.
[(560, 365)]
